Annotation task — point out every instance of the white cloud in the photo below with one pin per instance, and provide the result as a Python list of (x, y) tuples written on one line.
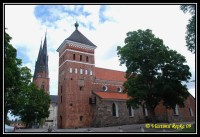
[(167, 22)]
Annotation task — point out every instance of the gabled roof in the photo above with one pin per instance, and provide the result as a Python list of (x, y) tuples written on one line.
[(107, 74), (112, 95), (77, 36), (54, 98)]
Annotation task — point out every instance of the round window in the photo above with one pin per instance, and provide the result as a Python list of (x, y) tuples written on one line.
[(104, 88), (119, 89)]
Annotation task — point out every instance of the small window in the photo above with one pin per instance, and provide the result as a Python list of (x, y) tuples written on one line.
[(191, 112), (104, 88), (76, 71), (176, 110), (70, 70), (61, 99), (115, 110), (86, 72), (80, 57), (131, 111), (87, 59), (42, 87), (119, 89), (81, 118), (81, 71), (81, 88), (74, 57), (90, 72), (145, 110)]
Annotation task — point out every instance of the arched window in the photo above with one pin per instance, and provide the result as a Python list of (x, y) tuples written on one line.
[(115, 110)]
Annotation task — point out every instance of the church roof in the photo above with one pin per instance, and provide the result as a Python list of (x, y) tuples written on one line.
[(107, 74), (112, 95), (77, 36)]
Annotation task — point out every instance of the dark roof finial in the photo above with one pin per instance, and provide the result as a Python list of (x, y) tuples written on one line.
[(76, 25)]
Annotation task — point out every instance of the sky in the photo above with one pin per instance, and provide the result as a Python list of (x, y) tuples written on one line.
[(105, 25)]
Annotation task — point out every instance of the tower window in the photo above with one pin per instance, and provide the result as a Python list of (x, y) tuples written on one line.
[(87, 59), (81, 71), (42, 87), (90, 72), (61, 99), (80, 57), (76, 71), (81, 118), (81, 88), (74, 56), (70, 70)]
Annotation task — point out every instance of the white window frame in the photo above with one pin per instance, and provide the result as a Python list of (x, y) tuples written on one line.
[(86, 72), (81, 71), (90, 72), (76, 70), (70, 70)]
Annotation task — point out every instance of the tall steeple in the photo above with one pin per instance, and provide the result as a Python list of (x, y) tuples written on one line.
[(41, 65), (41, 74), (45, 56)]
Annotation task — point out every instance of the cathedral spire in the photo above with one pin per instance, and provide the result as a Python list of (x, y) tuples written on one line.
[(45, 56)]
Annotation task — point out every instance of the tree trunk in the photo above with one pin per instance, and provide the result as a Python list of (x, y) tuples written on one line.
[(152, 114)]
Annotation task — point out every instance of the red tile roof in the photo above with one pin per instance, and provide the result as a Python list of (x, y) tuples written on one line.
[(107, 74), (112, 95)]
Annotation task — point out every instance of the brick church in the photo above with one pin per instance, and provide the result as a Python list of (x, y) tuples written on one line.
[(92, 96)]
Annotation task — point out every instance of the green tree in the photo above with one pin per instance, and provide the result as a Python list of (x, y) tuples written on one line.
[(22, 98), (11, 75), (190, 33), (154, 72), (34, 105)]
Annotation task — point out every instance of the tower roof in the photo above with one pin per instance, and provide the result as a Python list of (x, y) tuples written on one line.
[(77, 36)]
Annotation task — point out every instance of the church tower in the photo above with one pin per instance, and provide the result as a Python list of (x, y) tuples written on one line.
[(76, 75), (41, 74)]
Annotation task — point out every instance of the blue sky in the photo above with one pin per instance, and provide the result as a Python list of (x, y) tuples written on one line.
[(105, 25)]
